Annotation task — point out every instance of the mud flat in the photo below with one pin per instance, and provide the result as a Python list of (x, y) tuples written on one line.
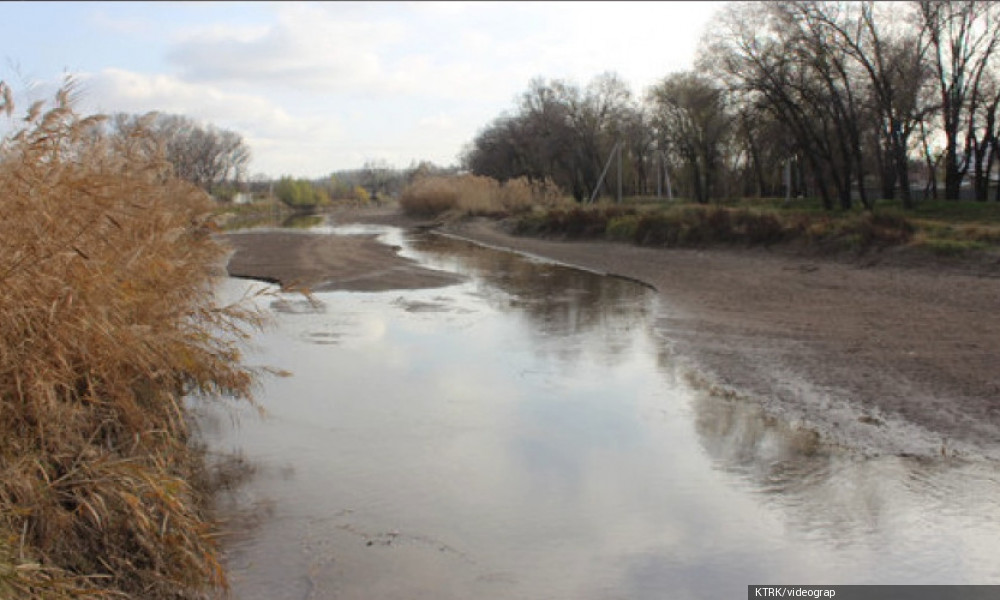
[(323, 262)]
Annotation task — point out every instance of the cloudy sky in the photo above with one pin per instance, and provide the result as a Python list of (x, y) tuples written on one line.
[(316, 87)]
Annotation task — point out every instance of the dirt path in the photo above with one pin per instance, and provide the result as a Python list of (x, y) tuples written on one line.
[(885, 359)]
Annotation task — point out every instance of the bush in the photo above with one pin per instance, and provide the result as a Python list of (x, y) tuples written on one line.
[(622, 228), (761, 228), (300, 193), (106, 320)]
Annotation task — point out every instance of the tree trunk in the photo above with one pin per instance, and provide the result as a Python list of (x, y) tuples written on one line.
[(994, 158), (902, 169), (699, 193), (952, 172), (886, 167)]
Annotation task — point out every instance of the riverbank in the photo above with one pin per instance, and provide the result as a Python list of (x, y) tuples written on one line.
[(296, 259), (885, 359)]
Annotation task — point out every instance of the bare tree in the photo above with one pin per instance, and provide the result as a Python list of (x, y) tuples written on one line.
[(376, 174), (557, 132), (204, 155), (692, 122), (984, 145), (892, 60), (963, 37)]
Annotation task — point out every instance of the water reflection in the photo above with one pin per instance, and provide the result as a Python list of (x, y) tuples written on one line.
[(557, 301), (857, 503), (523, 434)]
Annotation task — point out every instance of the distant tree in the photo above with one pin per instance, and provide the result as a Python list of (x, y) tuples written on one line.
[(693, 123), (204, 155), (779, 57), (558, 132), (425, 168), (376, 175), (890, 54), (300, 193), (964, 38)]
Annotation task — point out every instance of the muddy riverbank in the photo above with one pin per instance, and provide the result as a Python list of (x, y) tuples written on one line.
[(886, 359), (318, 262)]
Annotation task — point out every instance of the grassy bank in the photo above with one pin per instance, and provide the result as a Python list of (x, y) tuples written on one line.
[(939, 228), (106, 320)]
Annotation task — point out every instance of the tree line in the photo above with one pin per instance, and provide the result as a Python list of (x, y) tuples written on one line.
[(210, 157), (846, 101)]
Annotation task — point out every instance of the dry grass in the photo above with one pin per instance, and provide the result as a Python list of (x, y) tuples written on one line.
[(106, 319), (476, 195)]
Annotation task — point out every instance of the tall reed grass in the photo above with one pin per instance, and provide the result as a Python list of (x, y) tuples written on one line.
[(476, 195), (107, 319)]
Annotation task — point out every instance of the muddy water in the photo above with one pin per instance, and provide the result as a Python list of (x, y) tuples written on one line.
[(527, 434)]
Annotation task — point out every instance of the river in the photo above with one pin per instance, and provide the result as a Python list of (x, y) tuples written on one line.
[(529, 434)]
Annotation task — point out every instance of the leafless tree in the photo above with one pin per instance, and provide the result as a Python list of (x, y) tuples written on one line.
[(558, 131), (376, 174), (963, 37), (204, 155), (692, 121), (892, 59)]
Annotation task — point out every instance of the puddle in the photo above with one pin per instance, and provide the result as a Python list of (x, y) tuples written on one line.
[(524, 434)]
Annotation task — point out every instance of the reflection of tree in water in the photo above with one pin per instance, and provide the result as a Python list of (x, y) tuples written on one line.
[(604, 313), (834, 494)]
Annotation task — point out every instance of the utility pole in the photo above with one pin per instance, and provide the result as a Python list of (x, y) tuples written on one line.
[(607, 165), (788, 181), (619, 172), (659, 177), (666, 178)]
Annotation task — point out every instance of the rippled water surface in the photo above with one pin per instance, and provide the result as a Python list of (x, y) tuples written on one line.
[(527, 434)]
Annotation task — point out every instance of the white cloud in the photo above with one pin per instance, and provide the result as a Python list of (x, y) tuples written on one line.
[(320, 86), (304, 48), (281, 141), (120, 90)]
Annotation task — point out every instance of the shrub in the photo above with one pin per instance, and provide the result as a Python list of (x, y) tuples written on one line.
[(106, 320), (360, 194), (300, 193), (622, 228), (658, 229), (761, 228)]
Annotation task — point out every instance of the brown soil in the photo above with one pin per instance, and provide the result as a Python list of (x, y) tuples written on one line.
[(887, 359), (328, 262)]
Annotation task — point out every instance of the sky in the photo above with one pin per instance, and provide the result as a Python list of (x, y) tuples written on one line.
[(318, 87)]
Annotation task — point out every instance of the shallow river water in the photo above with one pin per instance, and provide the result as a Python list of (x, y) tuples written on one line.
[(528, 434)]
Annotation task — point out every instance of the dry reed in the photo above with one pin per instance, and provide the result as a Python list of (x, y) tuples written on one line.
[(107, 319), (477, 195)]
